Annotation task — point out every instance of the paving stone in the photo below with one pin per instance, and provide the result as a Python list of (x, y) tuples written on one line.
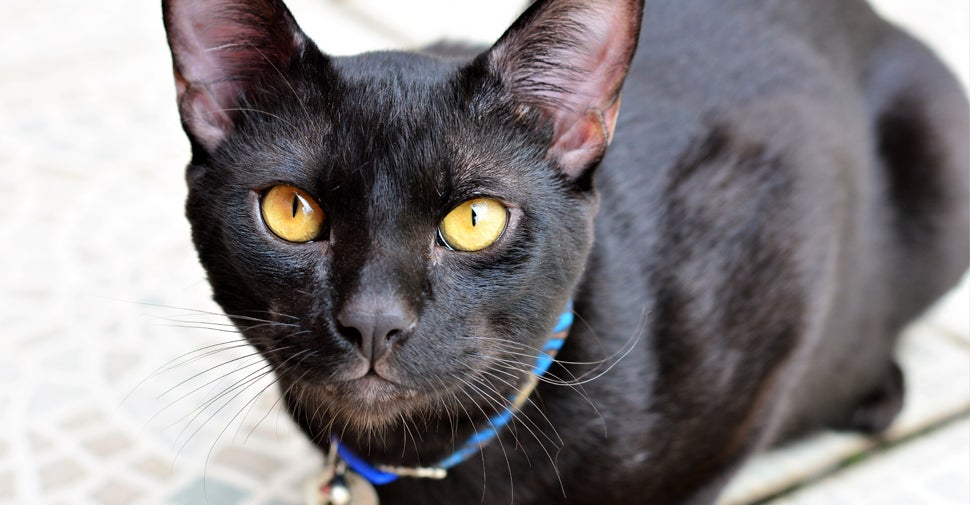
[(60, 474), (154, 468), (253, 464), (116, 493), (7, 485), (109, 445)]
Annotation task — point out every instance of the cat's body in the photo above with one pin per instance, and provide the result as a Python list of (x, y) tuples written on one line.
[(786, 187)]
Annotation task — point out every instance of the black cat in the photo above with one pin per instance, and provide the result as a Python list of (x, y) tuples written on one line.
[(400, 233)]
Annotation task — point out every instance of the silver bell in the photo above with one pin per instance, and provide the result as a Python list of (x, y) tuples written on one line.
[(342, 487), (338, 493)]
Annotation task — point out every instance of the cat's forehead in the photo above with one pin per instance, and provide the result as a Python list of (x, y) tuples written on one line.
[(390, 100), (394, 77), (404, 118)]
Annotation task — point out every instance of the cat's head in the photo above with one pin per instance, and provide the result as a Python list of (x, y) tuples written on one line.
[(397, 233)]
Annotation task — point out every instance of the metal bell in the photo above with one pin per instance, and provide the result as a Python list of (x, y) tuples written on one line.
[(337, 492), (337, 485)]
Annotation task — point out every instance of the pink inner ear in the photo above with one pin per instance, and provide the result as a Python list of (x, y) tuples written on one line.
[(218, 47), (569, 58), (584, 139), (202, 113)]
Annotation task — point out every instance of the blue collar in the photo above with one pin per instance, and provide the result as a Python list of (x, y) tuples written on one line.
[(384, 475)]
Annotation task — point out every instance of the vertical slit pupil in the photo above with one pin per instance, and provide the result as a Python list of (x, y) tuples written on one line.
[(296, 204), (474, 217)]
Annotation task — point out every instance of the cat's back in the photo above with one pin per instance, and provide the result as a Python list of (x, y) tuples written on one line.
[(744, 47), (844, 103), (699, 57), (763, 175), (717, 77)]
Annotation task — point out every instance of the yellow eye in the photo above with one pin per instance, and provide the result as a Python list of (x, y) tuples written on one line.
[(474, 225), (291, 214)]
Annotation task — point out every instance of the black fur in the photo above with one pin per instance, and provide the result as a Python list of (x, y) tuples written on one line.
[(786, 188)]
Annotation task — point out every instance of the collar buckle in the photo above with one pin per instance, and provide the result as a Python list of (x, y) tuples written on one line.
[(420, 472)]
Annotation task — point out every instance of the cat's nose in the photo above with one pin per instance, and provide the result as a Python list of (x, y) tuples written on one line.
[(374, 326)]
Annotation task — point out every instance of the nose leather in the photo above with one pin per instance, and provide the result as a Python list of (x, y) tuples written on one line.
[(374, 324)]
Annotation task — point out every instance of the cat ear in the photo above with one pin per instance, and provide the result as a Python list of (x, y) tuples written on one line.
[(567, 60), (220, 49)]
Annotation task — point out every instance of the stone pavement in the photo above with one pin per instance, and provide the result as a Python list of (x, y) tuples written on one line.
[(96, 260)]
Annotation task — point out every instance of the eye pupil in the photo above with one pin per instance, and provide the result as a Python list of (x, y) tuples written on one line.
[(292, 214), (474, 225)]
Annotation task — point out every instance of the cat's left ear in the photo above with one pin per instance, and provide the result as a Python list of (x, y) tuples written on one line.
[(567, 60), (222, 51)]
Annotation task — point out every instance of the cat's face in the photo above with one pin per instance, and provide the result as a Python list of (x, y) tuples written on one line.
[(385, 169), (396, 233)]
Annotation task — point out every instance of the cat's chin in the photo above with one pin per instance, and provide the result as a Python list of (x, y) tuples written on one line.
[(372, 390), (367, 403)]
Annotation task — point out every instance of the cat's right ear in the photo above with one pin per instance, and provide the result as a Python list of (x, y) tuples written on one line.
[(220, 51), (565, 61)]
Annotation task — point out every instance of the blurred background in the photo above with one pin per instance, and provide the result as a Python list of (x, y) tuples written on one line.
[(100, 290)]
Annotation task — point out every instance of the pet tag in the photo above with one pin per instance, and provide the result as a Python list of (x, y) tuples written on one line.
[(338, 486)]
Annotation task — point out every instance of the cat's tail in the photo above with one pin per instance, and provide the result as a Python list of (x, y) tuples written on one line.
[(921, 125)]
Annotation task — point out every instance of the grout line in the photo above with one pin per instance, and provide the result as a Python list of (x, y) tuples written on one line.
[(876, 447)]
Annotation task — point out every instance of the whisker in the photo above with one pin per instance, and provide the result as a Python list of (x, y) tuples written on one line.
[(451, 420), (245, 406), (241, 345), (280, 397), (559, 442), (178, 320), (280, 370), (207, 370), (501, 444), (215, 380), (169, 365), (240, 387), (242, 382), (230, 326), (519, 346), (220, 314), (198, 327), (552, 459), (405, 432), (512, 369)]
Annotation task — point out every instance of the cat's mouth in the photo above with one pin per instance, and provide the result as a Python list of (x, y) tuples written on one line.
[(370, 392), (366, 402), (373, 388)]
